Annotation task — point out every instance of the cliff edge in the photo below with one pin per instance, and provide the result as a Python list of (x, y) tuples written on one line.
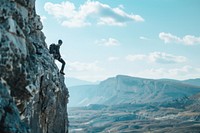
[(33, 96)]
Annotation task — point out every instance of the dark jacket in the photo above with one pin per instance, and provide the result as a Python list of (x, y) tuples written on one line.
[(56, 53)]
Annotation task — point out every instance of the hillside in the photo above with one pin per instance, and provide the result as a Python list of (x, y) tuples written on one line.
[(177, 116), (195, 82), (125, 89)]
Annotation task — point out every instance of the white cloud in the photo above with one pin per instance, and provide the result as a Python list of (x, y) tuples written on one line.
[(187, 40), (181, 73), (109, 21), (62, 10), (165, 58), (144, 38), (107, 42), (88, 13), (190, 40), (158, 57)]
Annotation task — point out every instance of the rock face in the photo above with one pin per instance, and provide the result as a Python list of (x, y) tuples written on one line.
[(33, 96)]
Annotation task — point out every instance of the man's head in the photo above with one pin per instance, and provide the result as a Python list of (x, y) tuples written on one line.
[(60, 42)]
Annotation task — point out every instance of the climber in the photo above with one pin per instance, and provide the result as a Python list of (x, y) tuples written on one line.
[(55, 50)]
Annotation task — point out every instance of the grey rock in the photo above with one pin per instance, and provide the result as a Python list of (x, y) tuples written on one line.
[(33, 96), (9, 116)]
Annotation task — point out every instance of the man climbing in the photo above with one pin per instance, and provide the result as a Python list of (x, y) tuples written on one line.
[(55, 50)]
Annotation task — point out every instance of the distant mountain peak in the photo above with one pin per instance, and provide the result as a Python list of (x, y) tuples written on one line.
[(127, 89)]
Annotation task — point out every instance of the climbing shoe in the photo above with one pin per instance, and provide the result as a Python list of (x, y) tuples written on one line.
[(62, 72)]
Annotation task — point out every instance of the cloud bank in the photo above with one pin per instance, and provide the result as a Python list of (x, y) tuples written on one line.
[(187, 40), (157, 57), (88, 13), (144, 38), (181, 73)]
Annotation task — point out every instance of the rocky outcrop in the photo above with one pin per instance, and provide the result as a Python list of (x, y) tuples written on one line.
[(33, 96)]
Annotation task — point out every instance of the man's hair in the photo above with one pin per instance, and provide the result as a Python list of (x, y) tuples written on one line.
[(59, 41)]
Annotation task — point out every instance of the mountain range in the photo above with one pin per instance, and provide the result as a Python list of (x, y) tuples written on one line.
[(132, 90), (131, 104)]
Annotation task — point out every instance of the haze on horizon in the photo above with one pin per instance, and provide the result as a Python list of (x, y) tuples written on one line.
[(140, 38)]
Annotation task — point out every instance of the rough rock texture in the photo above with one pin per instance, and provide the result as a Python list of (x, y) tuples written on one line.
[(33, 96)]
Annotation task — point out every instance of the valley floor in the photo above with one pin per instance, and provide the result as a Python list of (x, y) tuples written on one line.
[(128, 118)]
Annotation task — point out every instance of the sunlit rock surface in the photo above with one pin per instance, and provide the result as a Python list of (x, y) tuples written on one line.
[(33, 96)]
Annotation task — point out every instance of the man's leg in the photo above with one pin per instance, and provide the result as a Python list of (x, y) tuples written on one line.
[(63, 65)]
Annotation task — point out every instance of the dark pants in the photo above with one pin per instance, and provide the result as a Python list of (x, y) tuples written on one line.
[(63, 63)]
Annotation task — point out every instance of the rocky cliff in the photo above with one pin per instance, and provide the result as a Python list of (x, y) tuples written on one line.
[(33, 96)]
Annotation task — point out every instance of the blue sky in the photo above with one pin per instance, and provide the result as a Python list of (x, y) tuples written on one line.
[(141, 38)]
